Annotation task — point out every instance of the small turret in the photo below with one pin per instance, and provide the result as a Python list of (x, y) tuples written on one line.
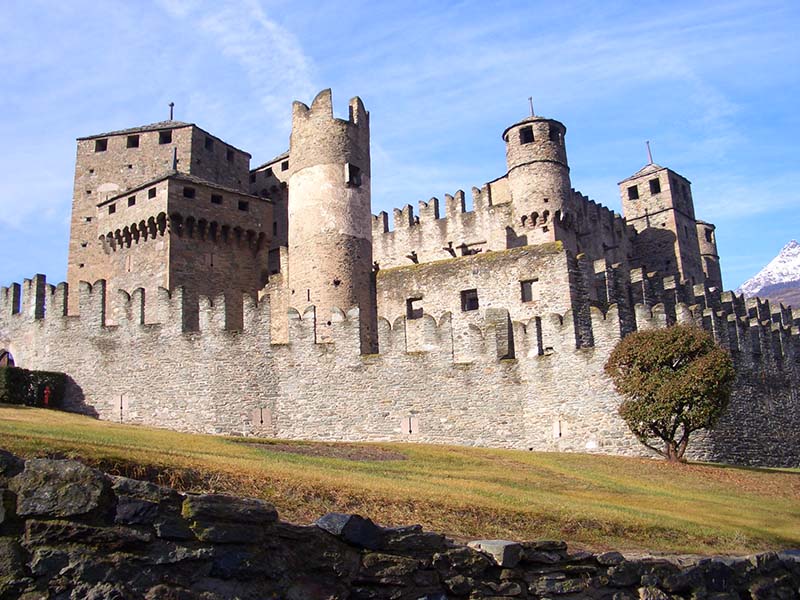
[(330, 219), (707, 239), (538, 176)]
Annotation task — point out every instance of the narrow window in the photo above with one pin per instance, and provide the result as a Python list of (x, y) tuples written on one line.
[(274, 228), (165, 137), (216, 199), (101, 145), (188, 192), (252, 177), (554, 134), (112, 208), (285, 165), (529, 290), (268, 172), (352, 175), (229, 155), (655, 186), (413, 309), (151, 193), (709, 235), (526, 135), (133, 141), (469, 300), (209, 143), (633, 193), (132, 201), (244, 205)]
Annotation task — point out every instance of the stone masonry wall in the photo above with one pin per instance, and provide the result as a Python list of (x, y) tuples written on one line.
[(530, 384), (71, 532)]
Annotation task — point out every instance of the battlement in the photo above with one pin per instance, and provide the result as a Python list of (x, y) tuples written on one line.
[(753, 332)]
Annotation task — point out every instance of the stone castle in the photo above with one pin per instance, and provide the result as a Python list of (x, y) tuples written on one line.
[(203, 295)]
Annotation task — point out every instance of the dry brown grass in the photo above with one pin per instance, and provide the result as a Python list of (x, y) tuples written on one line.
[(591, 501)]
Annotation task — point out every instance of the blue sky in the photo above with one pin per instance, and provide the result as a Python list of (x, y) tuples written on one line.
[(715, 87)]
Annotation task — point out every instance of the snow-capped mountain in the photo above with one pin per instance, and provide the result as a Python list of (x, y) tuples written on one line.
[(779, 280)]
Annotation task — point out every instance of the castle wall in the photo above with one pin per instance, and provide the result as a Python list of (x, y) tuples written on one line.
[(218, 162), (429, 383)]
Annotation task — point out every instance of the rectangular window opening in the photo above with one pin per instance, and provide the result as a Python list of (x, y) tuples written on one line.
[(274, 228), (529, 290), (112, 208), (352, 175), (133, 141), (188, 192), (413, 308), (709, 235), (165, 137), (229, 155), (655, 186), (216, 199), (209, 143), (252, 177), (633, 192), (268, 172), (285, 165), (526, 135), (151, 193), (554, 134), (469, 300), (244, 205), (132, 201), (101, 145)]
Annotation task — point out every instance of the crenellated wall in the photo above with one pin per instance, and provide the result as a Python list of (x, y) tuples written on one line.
[(534, 383)]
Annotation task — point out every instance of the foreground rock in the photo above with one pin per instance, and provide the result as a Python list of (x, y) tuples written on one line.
[(68, 532)]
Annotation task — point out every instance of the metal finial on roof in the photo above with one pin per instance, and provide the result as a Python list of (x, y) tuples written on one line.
[(530, 101), (649, 154), (171, 107)]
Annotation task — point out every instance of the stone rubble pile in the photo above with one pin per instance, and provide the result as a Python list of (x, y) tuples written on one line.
[(71, 532)]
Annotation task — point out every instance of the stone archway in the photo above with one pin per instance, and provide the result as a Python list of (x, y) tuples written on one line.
[(6, 359)]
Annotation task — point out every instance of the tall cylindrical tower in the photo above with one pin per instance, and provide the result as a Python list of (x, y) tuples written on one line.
[(538, 175), (707, 240), (330, 219)]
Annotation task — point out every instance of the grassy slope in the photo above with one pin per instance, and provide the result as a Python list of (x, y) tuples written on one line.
[(595, 501)]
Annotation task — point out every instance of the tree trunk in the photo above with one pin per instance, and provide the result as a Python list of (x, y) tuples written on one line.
[(672, 453)]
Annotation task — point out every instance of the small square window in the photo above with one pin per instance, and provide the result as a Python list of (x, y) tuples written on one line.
[(229, 155), (252, 177), (87, 219), (469, 300), (352, 175), (133, 141), (132, 201), (84, 244), (529, 290), (88, 192), (91, 171), (112, 208), (101, 145), (165, 137), (151, 193), (244, 205), (216, 199), (188, 192), (285, 165), (209, 143), (655, 186), (633, 193), (268, 172), (526, 135), (413, 308)]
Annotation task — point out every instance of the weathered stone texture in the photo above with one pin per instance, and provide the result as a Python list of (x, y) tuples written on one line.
[(237, 548)]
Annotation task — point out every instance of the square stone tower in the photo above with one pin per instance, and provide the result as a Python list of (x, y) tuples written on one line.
[(166, 205)]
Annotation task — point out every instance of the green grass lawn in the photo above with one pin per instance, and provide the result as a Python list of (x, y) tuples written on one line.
[(593, 501)]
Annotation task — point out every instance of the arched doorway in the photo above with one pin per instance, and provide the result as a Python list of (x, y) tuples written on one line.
[(6, 360)]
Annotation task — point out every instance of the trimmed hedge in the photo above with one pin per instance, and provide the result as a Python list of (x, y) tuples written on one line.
[(20, 386)]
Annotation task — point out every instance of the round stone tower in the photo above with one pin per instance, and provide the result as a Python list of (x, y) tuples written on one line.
[(707, 240), (538, 176), (330, 219)]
